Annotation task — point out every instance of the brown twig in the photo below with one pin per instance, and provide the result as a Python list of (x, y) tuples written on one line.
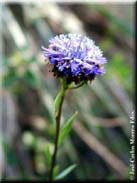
[(100, 149)]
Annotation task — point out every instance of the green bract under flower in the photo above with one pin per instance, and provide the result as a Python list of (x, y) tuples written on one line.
[(74, 57)]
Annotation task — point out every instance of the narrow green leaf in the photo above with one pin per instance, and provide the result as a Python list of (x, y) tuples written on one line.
[(66, 128), (55, 171), (48, 154), (57, 101), (65, 172)]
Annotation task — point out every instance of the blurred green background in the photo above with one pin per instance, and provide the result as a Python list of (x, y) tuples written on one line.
[(99, 140)]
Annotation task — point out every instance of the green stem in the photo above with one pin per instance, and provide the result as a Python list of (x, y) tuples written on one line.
[(57, 117)]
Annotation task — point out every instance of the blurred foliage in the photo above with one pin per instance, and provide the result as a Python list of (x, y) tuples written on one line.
[(103, 106)]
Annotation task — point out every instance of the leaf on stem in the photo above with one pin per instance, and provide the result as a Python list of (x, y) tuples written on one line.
[(48, 154), (65, 172), (55, 171), (66, 128), (57, 102)]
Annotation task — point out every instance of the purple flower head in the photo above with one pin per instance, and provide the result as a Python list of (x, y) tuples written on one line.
[(74, 57)]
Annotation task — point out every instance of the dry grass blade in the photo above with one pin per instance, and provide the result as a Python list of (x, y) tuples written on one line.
[(99, 148)]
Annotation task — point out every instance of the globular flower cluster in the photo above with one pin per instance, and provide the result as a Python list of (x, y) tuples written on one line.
[(74, 57)]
